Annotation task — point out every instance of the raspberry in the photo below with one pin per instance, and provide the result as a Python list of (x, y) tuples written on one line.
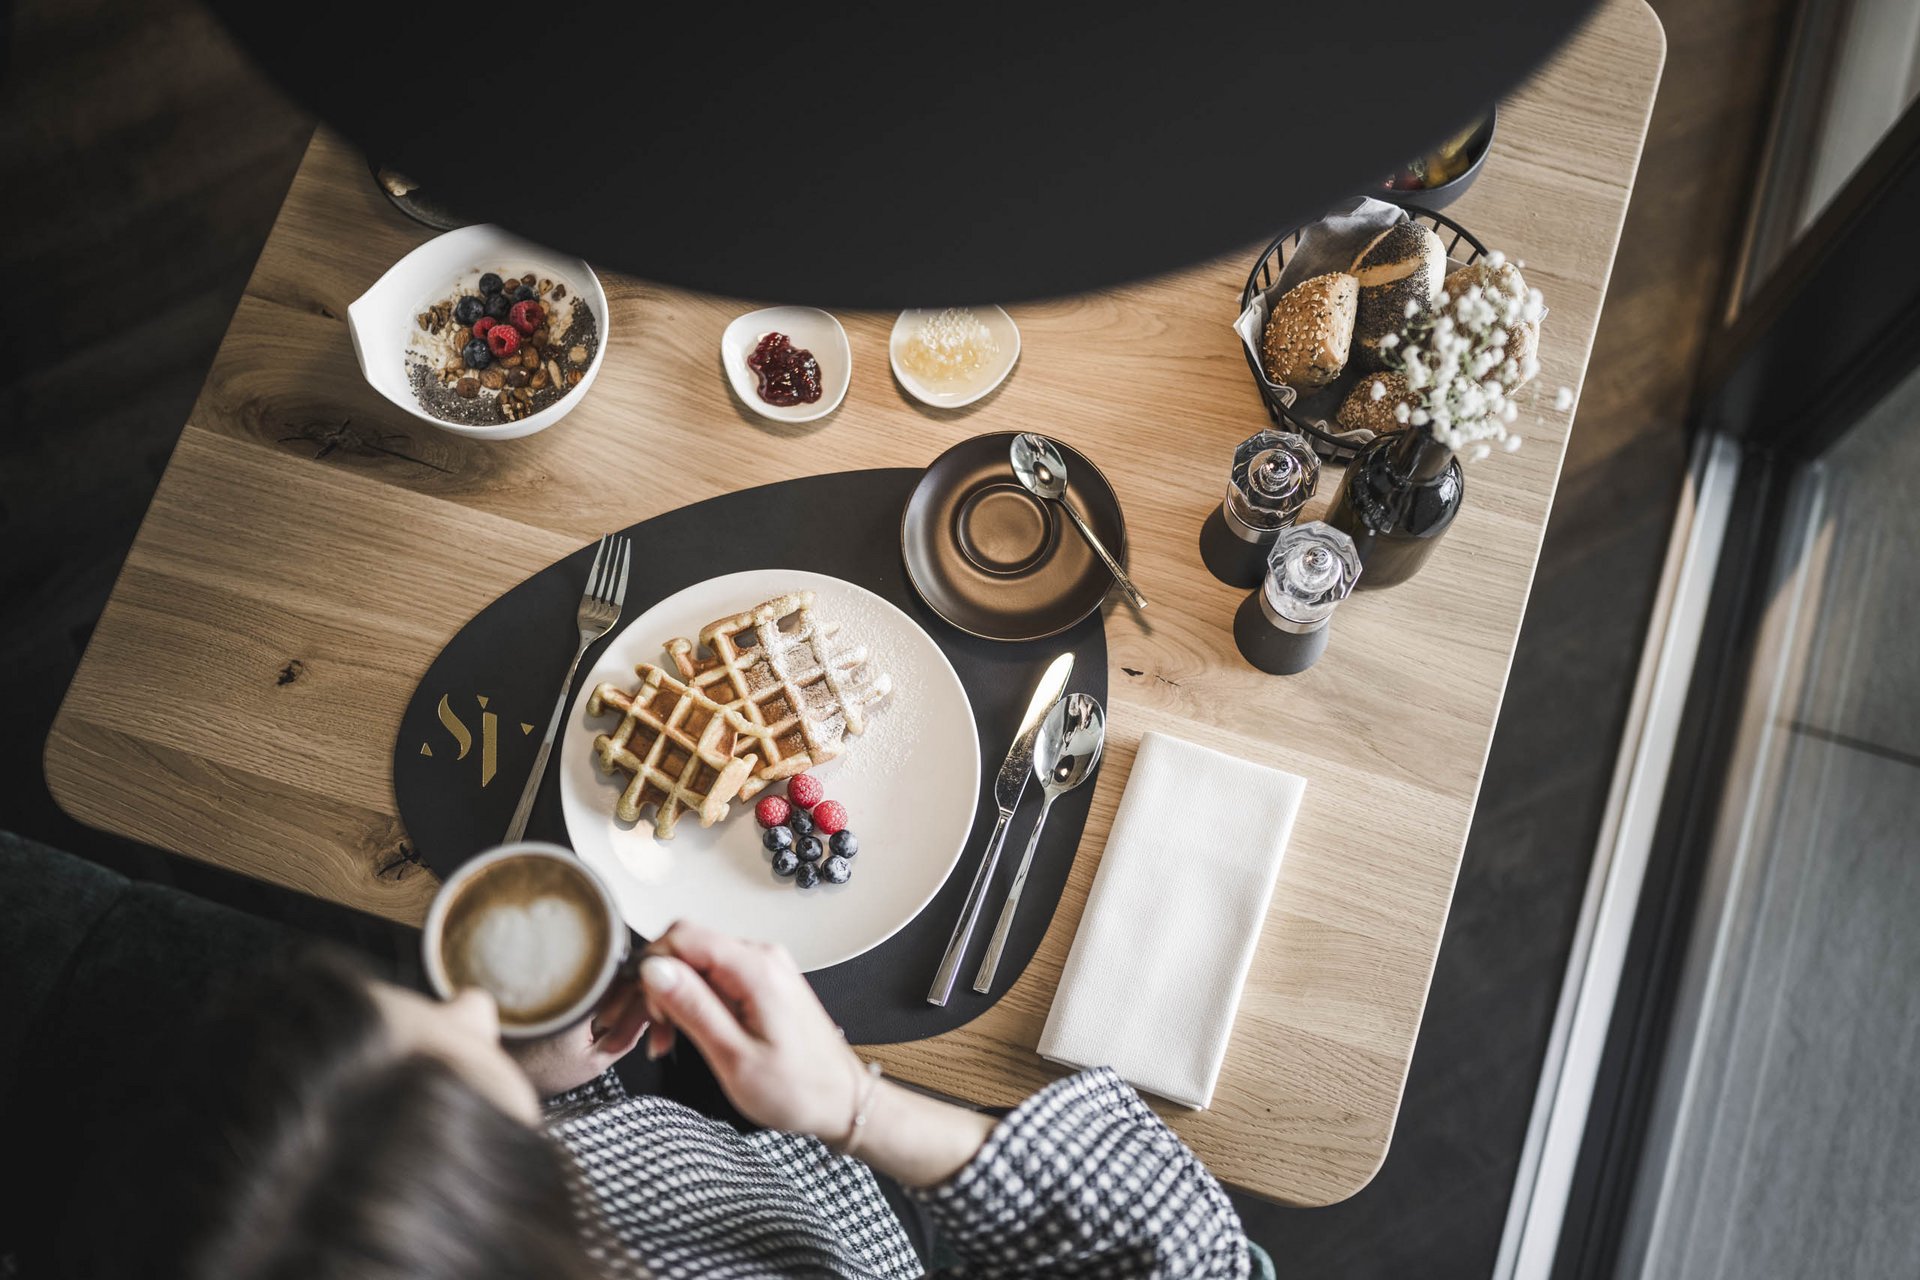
[(829, 816), (503, 341), (526, 316), (483, 324), (805, 790), (772, 811)]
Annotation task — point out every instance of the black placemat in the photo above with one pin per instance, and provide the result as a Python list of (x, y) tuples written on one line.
[(492, 689)]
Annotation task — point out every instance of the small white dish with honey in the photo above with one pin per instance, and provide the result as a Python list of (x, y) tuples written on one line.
[(950, 357)]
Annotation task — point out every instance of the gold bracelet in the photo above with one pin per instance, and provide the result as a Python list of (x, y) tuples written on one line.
[(861, 1102)]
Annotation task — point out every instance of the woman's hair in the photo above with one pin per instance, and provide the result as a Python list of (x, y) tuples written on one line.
[(299, 1142)]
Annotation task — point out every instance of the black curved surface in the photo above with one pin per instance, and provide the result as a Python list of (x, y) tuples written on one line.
[(846, 155), (513, 652)]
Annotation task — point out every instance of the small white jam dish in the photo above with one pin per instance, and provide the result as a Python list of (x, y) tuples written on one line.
[(807, 328)]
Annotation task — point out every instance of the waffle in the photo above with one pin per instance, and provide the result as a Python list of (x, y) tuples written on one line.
[(683, 751), (797, 695)]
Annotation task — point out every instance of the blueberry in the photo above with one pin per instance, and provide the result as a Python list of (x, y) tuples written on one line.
[(808, 875), (836, 870), (810, 849), (786, 862), (469, 309), (844, 844), (777, 838), (498, 306), (490, 284), (476, 355), (801, 822)]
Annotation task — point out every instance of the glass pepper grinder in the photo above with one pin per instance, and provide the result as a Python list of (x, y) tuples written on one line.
[(1282, 625), (1273, 476)]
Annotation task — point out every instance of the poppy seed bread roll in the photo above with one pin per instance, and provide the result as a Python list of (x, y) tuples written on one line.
[(1402, 265), (1309, 331)]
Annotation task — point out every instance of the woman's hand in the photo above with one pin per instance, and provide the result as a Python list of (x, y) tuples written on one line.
[(758, 1024), (583, 1052), (785, 1065)]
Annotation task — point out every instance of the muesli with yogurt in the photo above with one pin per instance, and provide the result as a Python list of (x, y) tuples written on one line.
[(500, 347)]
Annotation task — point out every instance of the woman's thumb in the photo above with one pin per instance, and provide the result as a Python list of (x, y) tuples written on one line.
[(684, 997)]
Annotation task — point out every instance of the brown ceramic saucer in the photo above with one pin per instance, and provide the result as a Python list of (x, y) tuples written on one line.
[(994, 560)]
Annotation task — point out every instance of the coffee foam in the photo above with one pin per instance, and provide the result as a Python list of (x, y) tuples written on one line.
[(530, 957), (530, 931)]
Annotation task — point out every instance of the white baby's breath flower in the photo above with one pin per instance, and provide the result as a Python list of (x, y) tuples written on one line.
[(1379, 391), (1563, 399), (1510, 443)]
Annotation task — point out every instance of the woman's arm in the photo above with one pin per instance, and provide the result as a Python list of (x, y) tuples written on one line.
[(1082, 1172)]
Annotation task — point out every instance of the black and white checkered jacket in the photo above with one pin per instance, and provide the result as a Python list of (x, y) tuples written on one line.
[(1081, 1180)]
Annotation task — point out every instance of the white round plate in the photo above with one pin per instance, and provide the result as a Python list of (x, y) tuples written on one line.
[(954, 395), (808, 328), (910, 784)]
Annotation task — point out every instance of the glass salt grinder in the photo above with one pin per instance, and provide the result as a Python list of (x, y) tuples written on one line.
[(1281, 627), (1273, 475)]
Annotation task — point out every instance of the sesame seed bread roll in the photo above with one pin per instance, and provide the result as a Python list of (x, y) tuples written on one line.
[(1523, 340), (1361, 410), (1403, 264), (1309, 332)]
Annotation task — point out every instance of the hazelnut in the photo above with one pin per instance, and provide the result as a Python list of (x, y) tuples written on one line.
[(529, 279), (573, 377), (545, 288), (577, 355), (559, 291), (539, 379), (517, 377), (466, 388), (492, 379)]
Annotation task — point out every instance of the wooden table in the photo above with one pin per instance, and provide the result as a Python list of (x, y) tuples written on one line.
[(311, 548)]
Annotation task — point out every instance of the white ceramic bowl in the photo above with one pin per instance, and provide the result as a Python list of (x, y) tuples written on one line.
[(1006, 336), (808, 328), (381, 319)]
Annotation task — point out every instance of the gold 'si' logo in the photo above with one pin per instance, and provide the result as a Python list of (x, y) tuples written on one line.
[(463, 736)]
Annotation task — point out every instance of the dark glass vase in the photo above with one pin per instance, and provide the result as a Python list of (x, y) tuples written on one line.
[(1401, 493)]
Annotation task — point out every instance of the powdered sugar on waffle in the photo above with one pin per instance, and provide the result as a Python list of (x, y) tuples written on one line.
[(891, 724)]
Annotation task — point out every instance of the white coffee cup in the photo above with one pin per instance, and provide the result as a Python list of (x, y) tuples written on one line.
[(534, 927)]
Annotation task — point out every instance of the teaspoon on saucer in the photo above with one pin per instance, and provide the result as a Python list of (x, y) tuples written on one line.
[(1043, 472), (1064, 755)]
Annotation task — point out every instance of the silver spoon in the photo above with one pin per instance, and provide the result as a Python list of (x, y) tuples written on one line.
[(1041, 469), (1064, 755)]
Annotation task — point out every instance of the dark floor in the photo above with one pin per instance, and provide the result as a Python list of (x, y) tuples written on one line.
[(144, 162)]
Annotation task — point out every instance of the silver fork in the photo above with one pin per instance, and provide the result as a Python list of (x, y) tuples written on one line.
[(599, 610)]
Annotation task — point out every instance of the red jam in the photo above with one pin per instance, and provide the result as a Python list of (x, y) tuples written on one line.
[(789, 375)]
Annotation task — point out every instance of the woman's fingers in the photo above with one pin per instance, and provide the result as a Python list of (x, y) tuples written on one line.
[(732, 966), (685, 999), (621, 1025)]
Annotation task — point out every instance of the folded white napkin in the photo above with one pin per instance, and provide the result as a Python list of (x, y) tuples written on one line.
[(1154, 976)]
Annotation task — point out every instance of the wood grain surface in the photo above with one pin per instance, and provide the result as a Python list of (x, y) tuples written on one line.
[(311, 548)]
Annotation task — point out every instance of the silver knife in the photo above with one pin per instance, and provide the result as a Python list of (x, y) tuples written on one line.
[(1007, 789)]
